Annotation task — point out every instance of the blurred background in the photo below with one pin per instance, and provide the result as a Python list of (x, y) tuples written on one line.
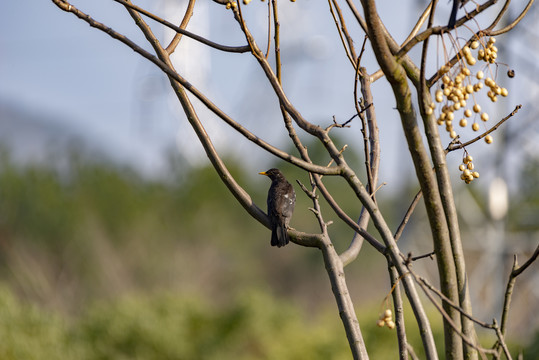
[(118, 240)]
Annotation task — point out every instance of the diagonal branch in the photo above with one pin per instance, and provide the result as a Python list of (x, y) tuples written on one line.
[(516, 271), (457, 146), (179, 30)]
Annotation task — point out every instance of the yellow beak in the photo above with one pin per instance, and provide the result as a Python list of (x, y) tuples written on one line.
[(263, 173)]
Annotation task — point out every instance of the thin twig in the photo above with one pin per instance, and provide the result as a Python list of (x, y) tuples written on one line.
[(408, 214), (453, 147), (343, 32), (516, 271)]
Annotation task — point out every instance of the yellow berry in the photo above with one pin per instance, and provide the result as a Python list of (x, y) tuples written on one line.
[(475, 126), (481, 54), (475, 44), (439, 96), (477, 108), (380, 323), (462, 167), (479, 75), (388, 314), (463, 122), (467, 112), (475, 174), (470, 166), (390, 324), (504, 92), (428, 110), (467, 159), (453, 134), (484, 116), (471, 61), (489, 139)]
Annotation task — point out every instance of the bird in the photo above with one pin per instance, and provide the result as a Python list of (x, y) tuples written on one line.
[(281, 201)]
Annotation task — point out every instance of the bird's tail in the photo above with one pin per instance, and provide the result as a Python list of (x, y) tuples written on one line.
[(279, 236)]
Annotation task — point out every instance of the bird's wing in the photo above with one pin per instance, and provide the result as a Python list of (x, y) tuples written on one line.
[(284, 204)]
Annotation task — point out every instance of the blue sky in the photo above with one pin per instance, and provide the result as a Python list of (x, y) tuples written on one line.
[(81, 80)]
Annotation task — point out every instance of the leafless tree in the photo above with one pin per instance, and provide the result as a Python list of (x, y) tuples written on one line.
[(452, 85)]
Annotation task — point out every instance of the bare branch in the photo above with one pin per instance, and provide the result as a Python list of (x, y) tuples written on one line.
[(449, 320), (187, 16), (516, 271), (235, 49), (399, 313), (346, 39), (459, 145), (409, 212), (515, 22)]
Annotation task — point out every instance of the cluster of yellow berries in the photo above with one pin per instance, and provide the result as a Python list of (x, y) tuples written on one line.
[(457, 88), (386, 319), (489, 53), (467, 168)]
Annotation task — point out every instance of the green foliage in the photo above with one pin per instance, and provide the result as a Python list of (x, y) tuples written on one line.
[(29, 333), (34, 204), (171, 327), (92, 231)]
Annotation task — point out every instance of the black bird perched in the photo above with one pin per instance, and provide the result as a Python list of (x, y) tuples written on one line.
[(281, 202)]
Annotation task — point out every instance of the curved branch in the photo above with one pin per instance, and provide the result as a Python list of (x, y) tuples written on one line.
[(179, 30), (515, 22), (310, 240), (439, 30), (372, 158), (187, 16)]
